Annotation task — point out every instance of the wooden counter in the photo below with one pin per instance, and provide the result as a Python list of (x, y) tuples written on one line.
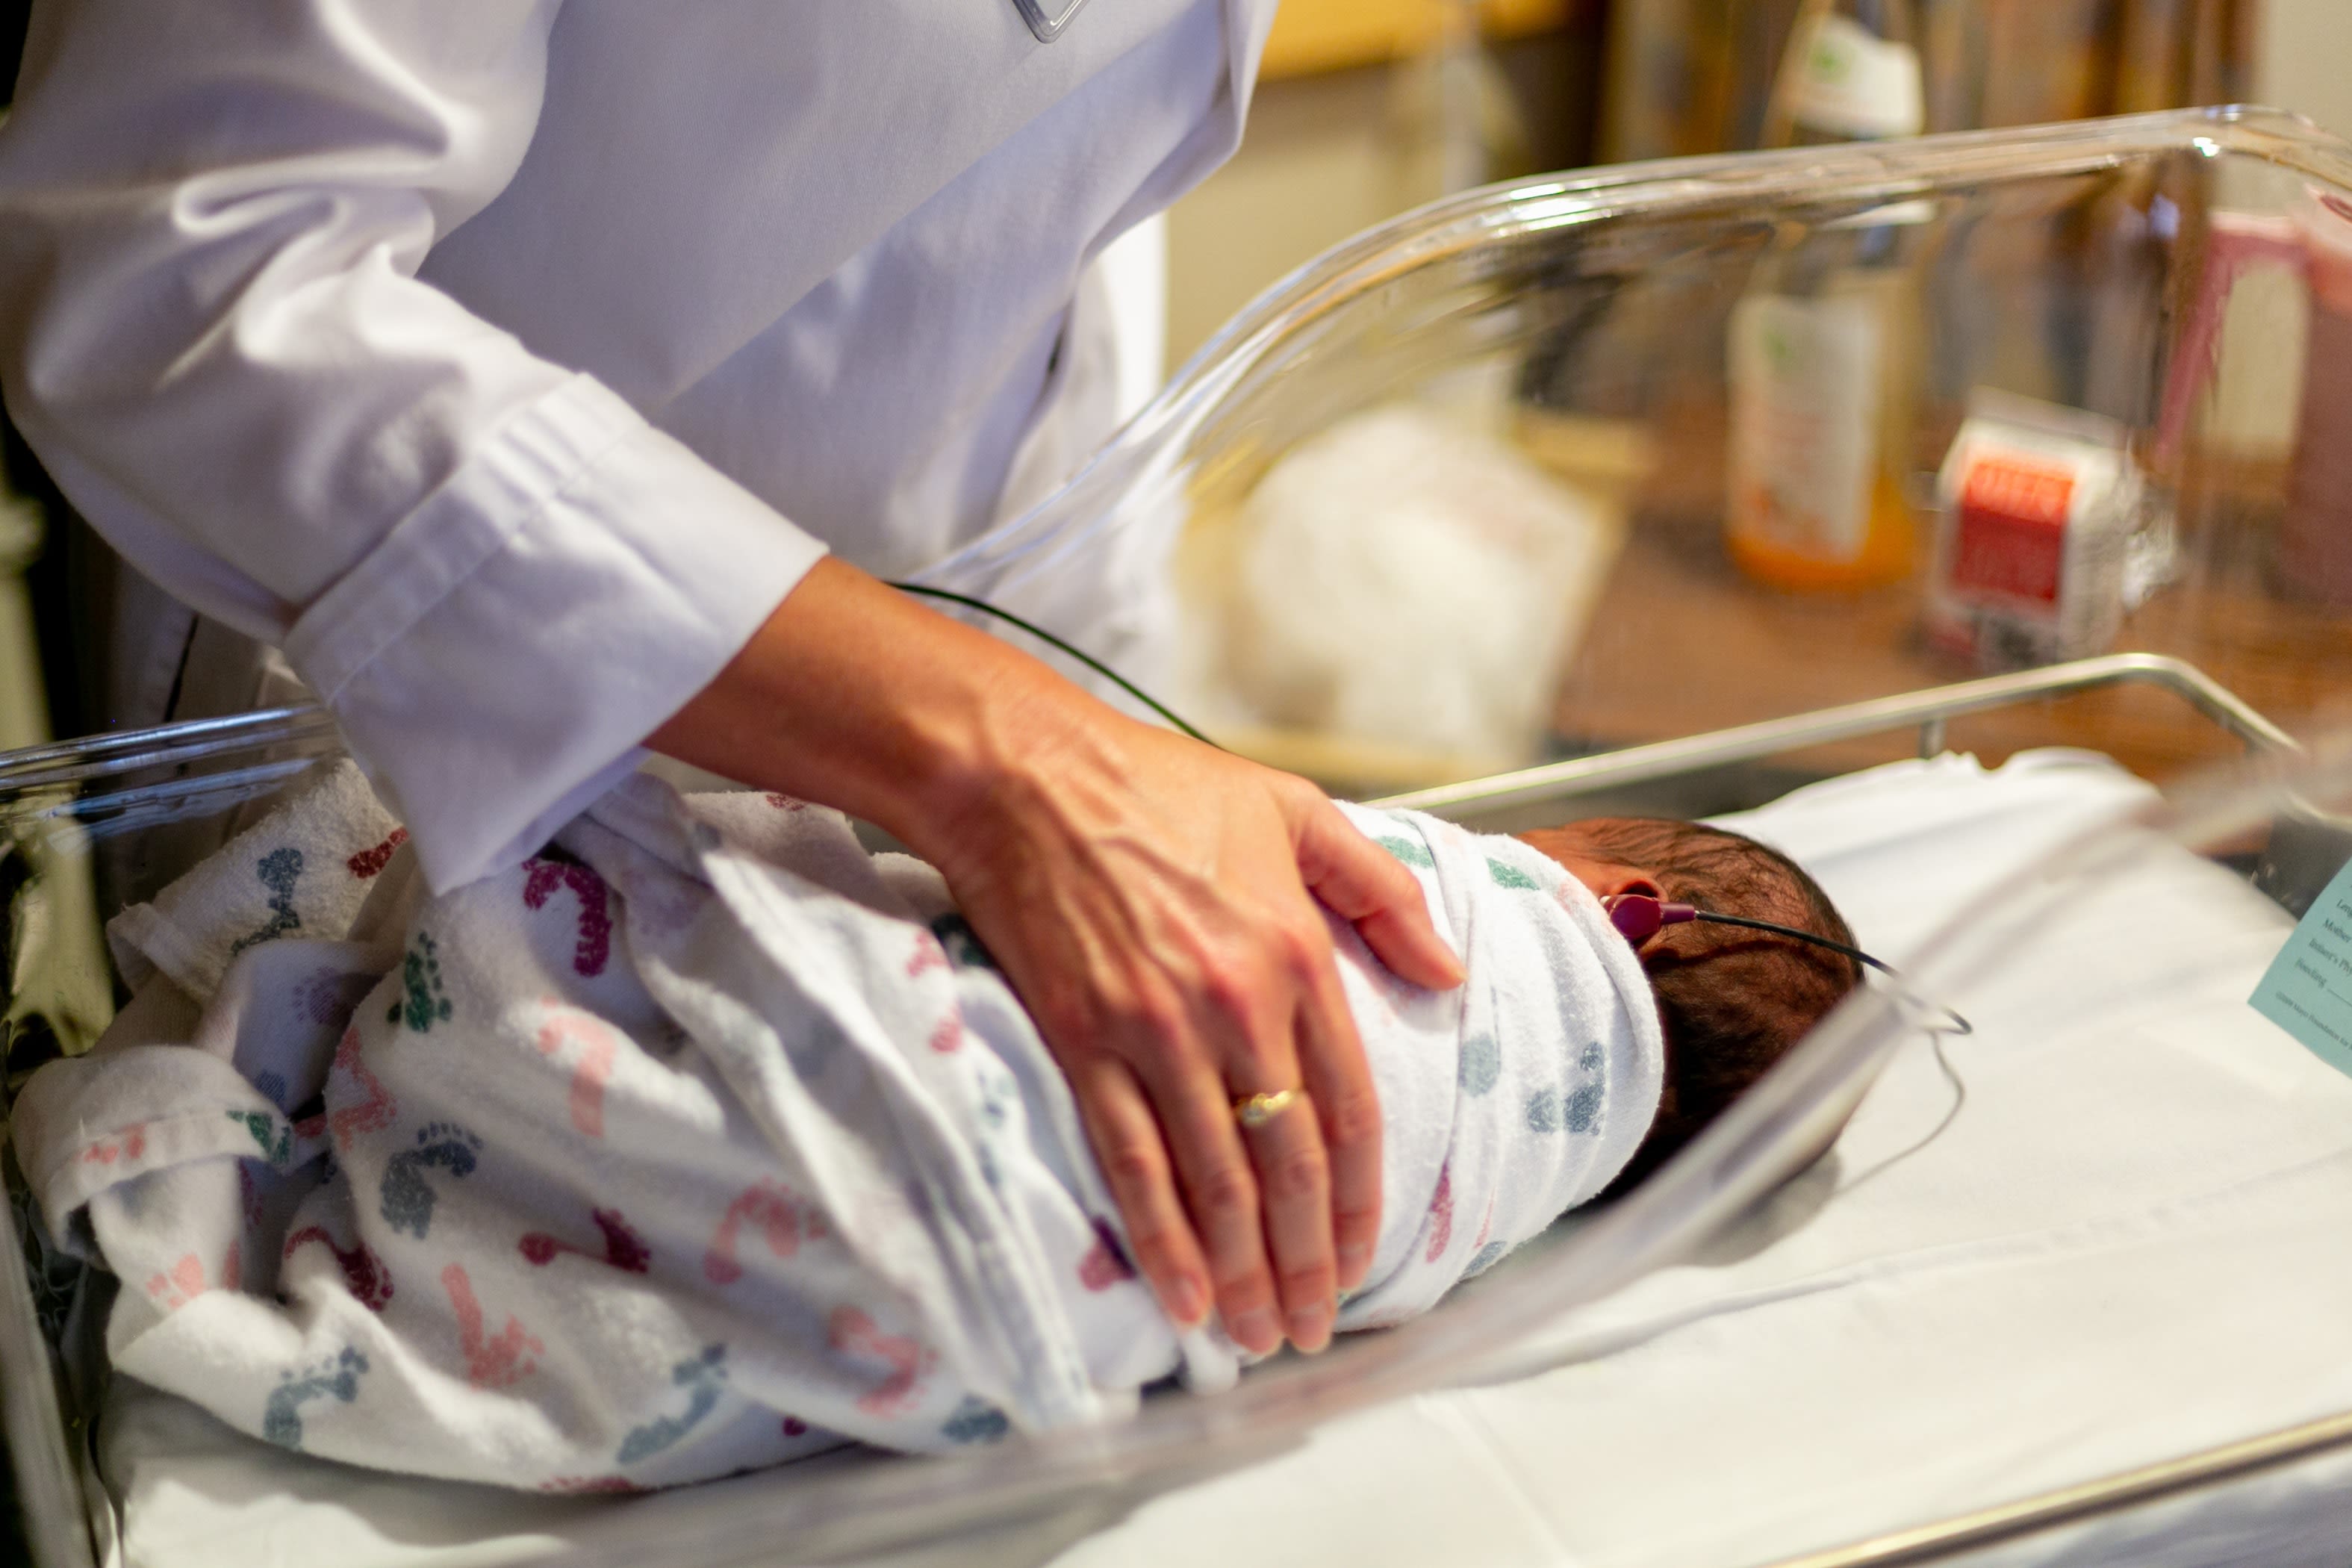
[(1686, 645)]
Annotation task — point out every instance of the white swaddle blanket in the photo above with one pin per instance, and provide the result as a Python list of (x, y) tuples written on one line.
[(712, 1139)]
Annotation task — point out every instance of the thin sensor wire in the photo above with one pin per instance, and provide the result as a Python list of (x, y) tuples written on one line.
[(1042, 635)]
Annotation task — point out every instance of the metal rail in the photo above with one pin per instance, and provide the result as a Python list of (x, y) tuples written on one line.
[(2069, 1505), (104, 756), (1929, 710), (310, 727)]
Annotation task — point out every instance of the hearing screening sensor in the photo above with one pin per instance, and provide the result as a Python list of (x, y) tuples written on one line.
[(1639, 917)]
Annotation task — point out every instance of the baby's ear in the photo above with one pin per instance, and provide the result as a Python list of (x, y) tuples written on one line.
[(1626, 879)]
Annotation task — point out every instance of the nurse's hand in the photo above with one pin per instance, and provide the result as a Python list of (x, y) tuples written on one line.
[(1153, 901)]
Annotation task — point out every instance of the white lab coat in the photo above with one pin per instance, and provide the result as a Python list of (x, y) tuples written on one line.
[(507, 362)]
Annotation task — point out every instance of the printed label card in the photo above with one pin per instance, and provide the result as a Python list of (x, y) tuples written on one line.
[(2308, 989)]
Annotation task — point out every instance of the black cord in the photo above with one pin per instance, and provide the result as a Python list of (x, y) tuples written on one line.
[(1854, 952), (1961, 1026), (1042, 635)]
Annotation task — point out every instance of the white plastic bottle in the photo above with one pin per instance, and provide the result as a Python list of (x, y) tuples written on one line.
[(1819, 355), (1851, 73)]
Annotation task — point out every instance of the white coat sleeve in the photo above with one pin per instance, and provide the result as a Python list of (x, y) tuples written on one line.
[(495, 571)]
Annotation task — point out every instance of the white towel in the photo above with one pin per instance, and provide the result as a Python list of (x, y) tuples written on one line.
[(1514, 1098), (713, 1140)]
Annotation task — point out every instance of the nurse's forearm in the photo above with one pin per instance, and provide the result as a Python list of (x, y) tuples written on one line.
[(854, 696)]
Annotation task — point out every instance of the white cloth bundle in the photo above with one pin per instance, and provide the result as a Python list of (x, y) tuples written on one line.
[(712, 1139)]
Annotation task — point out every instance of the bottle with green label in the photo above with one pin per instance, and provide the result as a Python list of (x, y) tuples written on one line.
[(1821, 344), (1851, 73)]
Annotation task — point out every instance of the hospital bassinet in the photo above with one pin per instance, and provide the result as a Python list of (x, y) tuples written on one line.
[(2101, 934)]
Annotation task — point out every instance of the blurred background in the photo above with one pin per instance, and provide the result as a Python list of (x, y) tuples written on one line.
[(1367, 108)]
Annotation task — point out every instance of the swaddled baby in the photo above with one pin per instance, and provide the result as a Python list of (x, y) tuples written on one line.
[(706, 1139)]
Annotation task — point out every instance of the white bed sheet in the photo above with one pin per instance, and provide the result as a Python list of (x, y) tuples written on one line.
[(2128, 1245)]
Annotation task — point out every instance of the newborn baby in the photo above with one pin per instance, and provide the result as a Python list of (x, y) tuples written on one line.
[(708, 1139)]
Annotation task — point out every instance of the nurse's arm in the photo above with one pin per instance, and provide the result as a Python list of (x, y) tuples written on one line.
[(500, 576), (1152, 899), (492, 568)]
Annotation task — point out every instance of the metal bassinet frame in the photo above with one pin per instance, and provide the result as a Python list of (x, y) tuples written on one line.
[(133, 777)]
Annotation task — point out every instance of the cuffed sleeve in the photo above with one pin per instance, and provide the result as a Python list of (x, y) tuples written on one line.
[(577, 581), (497, 574)]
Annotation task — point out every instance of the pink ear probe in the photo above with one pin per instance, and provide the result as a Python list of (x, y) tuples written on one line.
[(1639, 917)]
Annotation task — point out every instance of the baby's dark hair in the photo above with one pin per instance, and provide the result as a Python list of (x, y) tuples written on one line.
[(1732, 1001)]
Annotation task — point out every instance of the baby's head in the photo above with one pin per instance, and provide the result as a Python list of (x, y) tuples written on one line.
[(1732, 1001)]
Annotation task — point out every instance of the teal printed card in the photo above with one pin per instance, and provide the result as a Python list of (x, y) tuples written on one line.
[(2308, 991)]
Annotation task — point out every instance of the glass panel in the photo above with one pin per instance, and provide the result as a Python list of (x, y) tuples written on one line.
[(1563, 584)]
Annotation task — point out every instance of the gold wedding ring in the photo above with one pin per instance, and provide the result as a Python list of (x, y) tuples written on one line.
[(1255, 1111)]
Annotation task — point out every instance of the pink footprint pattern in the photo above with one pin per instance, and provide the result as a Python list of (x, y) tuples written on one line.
[(623, 1248), (491, 1361), (592, 1066), (185, 1281), (1441, 1216), (124, 1143), (363, 1271), (1104, 1265), (595, 944), (949, 1037), (372, 1112), (852, 1333), (770, 1207)]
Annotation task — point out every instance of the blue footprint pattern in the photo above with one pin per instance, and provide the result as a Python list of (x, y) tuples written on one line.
[(422, 1003), (408, 1198), (701, 1376), (975, 1421), (1482, 1064), (259, 1125), (281, 1420), (1510, 877), (1548, 1113), (1409, 852), (278, 871)]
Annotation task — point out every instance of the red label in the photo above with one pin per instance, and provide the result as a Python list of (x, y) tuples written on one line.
[(2012, 528)]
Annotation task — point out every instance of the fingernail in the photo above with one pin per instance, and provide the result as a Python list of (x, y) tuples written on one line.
[(1354, 1260), (1257, 1330), (1189, 1301), (1310, 1328)]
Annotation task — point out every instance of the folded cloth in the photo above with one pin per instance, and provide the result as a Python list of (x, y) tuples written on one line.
[(707, 1140)]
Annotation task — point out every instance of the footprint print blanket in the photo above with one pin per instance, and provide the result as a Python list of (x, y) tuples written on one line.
[(706, 1140)]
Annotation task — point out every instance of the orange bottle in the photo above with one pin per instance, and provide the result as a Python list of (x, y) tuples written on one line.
[(1820, 365)]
